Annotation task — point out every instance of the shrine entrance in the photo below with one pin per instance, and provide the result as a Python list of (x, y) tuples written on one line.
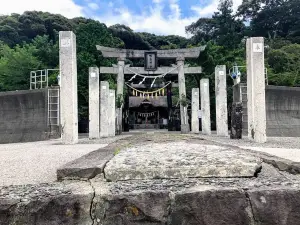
[(147, 103), (145, 115)]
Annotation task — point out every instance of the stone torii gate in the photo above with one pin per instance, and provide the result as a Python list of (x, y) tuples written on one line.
[(181, 69)]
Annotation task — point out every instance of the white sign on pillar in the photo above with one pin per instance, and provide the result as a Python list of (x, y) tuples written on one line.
[(256, 104), (257, 47)]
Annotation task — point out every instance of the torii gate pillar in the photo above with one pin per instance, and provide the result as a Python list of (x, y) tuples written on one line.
[(120, 97), (182, 93)]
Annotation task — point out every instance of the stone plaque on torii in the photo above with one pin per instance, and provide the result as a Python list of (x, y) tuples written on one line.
[(151, 69)]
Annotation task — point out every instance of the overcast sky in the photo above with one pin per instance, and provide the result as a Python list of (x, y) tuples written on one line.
[(154, 16)]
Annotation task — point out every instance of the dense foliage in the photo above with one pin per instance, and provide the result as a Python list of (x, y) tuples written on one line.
[(30, 42)]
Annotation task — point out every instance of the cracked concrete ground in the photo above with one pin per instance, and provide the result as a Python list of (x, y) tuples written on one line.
[(269, 197), (37, 162)]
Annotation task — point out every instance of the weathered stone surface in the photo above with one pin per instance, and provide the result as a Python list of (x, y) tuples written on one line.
[(46, 204), (205, 205), (133, 208), (276, 207), (87, 166), (180, 160)]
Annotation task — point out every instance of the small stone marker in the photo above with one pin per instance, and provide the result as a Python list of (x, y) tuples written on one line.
[(205, 106), (104, 102), (195, 110), (94, 102), (111, 113)]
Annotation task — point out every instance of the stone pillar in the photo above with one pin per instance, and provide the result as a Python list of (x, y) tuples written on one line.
[(256, 103), (195, 110), (94, 103), (68, 90), (221, 101), (120, 90), (205, 106), (104, 96), (112, 113), (182, 91)]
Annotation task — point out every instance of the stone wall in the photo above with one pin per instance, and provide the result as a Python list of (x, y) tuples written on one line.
[(282, 106), (23, 116)]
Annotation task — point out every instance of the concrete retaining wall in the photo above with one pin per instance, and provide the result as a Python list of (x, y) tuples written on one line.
[(282, 106), (23, 116), (283, 111)]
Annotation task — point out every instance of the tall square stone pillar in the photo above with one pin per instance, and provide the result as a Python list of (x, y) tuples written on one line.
[(195, 110), (221, 101), (120, 90), (256, 102), (94, 103), (182, 92), (112, 113), (68, 89), (104, 102), (205, 106)]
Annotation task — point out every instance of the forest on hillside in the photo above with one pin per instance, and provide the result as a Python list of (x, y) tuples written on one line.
[(30, 42)]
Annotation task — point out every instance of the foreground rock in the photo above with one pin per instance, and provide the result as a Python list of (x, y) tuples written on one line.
[(180, 160), (244, 192), (47, 204)]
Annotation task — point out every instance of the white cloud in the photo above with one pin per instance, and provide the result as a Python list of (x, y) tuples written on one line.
[(93, 6), (110, 4), (209, 9), (153, 20), (65, 7)]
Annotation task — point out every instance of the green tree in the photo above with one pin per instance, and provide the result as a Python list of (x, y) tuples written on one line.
[(223, 28), (15, 66)]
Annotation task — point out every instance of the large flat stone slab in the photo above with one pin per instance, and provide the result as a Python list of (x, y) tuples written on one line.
[(180, 160), (87, 166)]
